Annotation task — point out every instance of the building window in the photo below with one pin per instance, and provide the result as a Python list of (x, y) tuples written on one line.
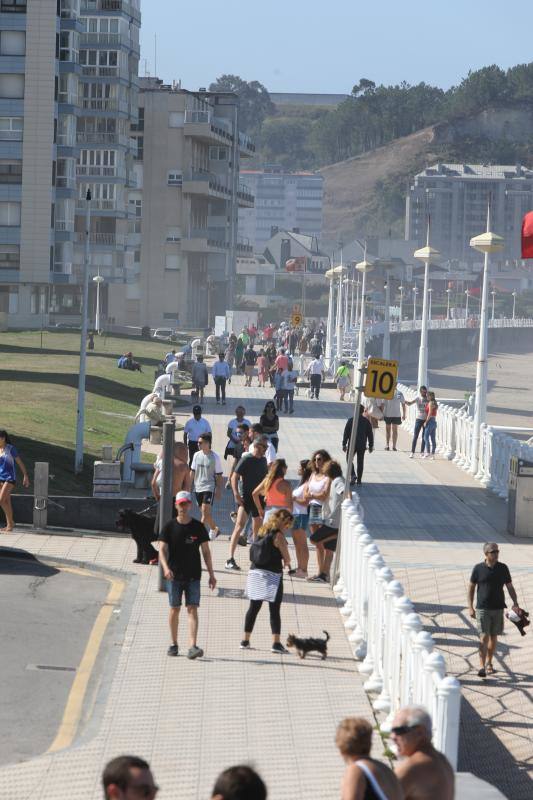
[(139, 155), (10, 215), (11, 129), (174, 235), (172, 261), (10, 171), (13, 6), (176, 119), (9, 256), (12, 43), (218, 153), (175, 178), (11, 86)]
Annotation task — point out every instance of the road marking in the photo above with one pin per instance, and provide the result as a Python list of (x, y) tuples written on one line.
[(74, 706)]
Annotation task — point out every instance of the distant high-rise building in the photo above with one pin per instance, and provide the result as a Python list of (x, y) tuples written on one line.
[(68, 92), (283, 201), (189, 149), (456, 196)]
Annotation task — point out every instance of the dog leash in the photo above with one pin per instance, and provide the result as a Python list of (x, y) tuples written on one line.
[(295, 605), (148, 508)]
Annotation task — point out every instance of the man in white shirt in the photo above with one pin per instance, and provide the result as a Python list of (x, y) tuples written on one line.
[(290, 376), (393, 414), (315, 370), (206, 476), (194, 428), (221, 372)]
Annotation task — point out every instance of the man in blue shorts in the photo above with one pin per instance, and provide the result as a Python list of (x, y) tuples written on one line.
[(179, 556)]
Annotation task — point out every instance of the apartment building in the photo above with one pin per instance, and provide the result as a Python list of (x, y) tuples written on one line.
[(68, 94), (283, 200), (190, 149), (456, 197)]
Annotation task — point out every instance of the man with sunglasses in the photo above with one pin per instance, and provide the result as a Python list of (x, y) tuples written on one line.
[(251, 470), (423, 772), (490, 576)]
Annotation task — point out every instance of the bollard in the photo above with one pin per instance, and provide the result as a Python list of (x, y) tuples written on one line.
[(166, 500), (40, 501)]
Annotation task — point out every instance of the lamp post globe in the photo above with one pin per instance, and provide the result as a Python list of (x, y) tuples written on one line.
[(99, 281)]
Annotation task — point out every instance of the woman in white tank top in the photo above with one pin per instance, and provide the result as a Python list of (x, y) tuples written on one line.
[(317, 488)]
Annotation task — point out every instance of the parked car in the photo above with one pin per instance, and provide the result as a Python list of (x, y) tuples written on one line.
[(164, 334)]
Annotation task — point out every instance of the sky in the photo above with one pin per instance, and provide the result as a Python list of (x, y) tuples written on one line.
[(312, 46)]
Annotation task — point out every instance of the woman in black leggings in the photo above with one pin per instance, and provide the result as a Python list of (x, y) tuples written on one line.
[(265, 579)]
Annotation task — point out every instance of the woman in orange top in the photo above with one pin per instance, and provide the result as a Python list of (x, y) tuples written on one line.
[(275, 489)]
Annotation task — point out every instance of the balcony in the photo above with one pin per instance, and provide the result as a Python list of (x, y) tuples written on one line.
[(204, 126), (107, 240), (92, 139), (245, 196), (205, 240), (65, 182), (112, 6), (246, 146), (97, 71), (99, 205), (104, 104), (207, 184), (243, 247), (100, 172), (108, 40)]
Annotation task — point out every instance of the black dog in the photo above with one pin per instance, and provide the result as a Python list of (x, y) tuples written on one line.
[(142, 532), (304, 646)]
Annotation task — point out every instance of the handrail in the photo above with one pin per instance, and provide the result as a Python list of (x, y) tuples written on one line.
[(398, 657)]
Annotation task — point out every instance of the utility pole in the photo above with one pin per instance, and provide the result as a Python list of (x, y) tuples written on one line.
[(80, 418)]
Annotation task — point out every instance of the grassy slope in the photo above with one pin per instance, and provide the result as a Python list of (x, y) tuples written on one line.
[(39, 390)]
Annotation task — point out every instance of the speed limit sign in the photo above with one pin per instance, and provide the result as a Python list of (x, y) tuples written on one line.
[(381, 377)]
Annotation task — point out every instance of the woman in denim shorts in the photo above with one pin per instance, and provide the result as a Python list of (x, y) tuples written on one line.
[(301, 519)]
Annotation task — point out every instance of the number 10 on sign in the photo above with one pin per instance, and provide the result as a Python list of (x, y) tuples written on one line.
[(381, 377)]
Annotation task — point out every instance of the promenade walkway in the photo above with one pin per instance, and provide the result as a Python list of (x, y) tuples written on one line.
[(191, 719)]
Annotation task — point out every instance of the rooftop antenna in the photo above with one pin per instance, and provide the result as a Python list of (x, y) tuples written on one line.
[(155, 55)]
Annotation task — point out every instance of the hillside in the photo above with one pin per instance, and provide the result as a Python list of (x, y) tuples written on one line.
[(365, 195)]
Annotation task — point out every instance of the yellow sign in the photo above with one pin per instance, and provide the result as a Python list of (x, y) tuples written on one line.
[(381, 378), (296, 320)]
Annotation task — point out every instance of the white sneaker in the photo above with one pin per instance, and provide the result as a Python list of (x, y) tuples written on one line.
[(412, 455)]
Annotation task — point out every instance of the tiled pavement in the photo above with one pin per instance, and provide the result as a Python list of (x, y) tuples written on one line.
[(190, 719)]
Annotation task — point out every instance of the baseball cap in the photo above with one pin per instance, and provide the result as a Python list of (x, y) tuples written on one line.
[(197, 409), (183, 497)]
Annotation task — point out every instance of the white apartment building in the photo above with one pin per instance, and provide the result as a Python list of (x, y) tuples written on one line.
[(68, 93), (283, 201), (190, 149), (456, 197)]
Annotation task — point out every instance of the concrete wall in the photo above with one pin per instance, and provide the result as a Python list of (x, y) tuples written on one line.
[(84, 513), (449, 346)]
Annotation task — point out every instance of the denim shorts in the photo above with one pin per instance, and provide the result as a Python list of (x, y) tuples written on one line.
[(301, 522), (176, 588)]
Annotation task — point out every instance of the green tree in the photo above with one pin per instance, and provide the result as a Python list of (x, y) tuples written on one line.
[(255, 102), (284, 140)]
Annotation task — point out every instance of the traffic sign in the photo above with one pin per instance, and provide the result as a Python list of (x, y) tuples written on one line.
[(296, 319), (381, 378)]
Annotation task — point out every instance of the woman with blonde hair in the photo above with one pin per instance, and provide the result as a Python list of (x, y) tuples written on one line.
[(275, 489), (268, 554), (364, 776)]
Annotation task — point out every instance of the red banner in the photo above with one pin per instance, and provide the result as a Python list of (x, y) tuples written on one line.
[(527, 235)]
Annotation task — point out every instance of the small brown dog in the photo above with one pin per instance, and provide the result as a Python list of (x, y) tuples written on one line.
[(307, 645)]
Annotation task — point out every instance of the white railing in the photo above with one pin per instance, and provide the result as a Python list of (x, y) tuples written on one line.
[(454, 442), (398, 657)]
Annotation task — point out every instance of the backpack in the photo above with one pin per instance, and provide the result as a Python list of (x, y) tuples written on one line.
[(261, 551)]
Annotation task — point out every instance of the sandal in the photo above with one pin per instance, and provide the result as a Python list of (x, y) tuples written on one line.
[(490, 669)]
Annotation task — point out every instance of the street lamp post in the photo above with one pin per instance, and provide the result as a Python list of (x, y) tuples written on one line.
[(467, 293), (357, 300), (80, 414), (415, 292), (430, 294), (514, 304), (98, 280), (493, 293), (339, 312), (330, 326), (448, 292), (401, 290), (426, 254), (363, 267), (486, 243), (385, 353)]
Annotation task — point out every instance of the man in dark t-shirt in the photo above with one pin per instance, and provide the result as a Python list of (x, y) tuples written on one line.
[(490, 576), (179, 555), (251, 470)]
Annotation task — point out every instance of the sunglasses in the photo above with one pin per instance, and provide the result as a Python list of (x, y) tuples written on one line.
[(493, 551), (401, 730)]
